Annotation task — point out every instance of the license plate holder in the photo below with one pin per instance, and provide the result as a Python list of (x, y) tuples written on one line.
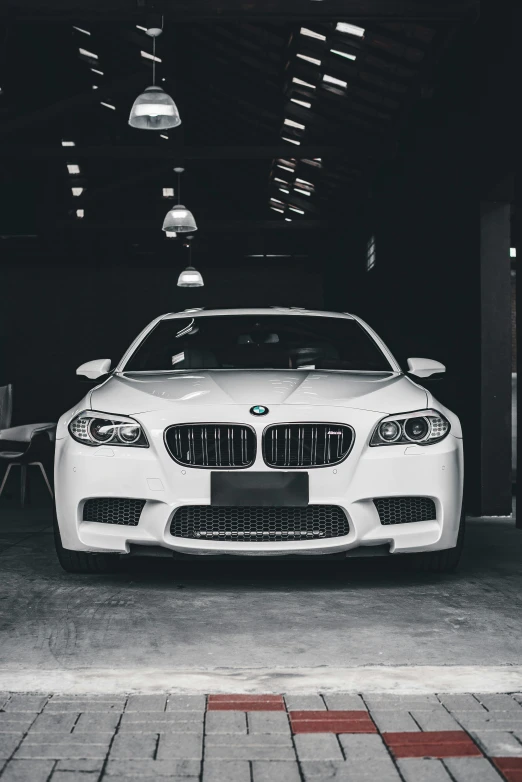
[(266, 489)]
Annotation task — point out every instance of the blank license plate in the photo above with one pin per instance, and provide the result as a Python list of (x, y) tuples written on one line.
[(259, 488)]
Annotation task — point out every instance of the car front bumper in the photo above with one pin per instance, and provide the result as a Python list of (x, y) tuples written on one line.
[(150, 474)]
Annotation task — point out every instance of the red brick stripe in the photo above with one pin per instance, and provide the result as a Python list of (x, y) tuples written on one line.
[(243, 697), (330, 715), (429, 735), (432, 744), (333, 726), (510, 767), (331, 722), (245, 703)]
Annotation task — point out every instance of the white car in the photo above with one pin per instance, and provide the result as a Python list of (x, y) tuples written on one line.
[(276, 431)]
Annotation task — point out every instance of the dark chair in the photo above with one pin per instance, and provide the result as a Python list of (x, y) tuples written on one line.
[(6, 406), (23, 446)]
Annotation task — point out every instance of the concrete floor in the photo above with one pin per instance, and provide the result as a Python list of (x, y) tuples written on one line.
[(257, 614)]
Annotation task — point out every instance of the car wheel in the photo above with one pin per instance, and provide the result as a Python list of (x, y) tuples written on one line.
[(81, 561), (445, 561)]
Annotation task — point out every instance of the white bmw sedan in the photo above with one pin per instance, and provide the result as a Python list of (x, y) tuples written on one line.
[(258, 432)]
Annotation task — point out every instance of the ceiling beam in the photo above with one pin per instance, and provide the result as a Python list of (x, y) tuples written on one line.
[(167, 152), (200, 10), (121, 227)]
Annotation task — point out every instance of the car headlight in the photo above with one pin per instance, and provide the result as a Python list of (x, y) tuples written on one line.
[(92, 428), (423, 427)]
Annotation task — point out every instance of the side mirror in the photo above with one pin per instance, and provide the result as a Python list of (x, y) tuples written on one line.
[(424, 367), (94, 369)]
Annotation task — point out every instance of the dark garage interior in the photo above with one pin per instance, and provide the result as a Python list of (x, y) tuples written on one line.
[(339, 156)]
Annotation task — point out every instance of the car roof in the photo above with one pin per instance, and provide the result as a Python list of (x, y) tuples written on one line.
[(202, 313)]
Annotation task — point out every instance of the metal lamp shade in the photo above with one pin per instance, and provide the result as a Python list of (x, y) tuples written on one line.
[(154, 110), (180, 219), (190, 278)]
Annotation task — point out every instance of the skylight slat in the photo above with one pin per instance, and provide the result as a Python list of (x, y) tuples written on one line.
[(351, 29), (301, 103), (332, 80), (149, 56), (296, 80), (87, 53), (293, 124), (312, 34), (344, 54), (312, 60)]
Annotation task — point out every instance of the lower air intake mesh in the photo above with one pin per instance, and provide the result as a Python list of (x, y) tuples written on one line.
[(113, 510), (259, 524), (403, 510)]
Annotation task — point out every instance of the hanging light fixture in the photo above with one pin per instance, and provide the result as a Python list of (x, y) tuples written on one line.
[(179, 218), (190, 277), (154, 109)]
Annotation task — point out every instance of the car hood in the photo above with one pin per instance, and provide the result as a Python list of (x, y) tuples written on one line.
[(140, 393)]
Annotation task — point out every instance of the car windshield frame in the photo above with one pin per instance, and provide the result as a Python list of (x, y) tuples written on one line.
[(191, 320)]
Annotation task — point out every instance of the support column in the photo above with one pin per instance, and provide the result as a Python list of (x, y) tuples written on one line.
[(494, 493)]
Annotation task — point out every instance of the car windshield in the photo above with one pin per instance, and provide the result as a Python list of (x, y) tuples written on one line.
[(257, 342)]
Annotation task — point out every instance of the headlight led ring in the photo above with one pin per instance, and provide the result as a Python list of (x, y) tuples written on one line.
[(417, 429), (101, 430), (390, 425)]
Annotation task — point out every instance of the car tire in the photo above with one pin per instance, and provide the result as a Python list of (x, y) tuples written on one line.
[(81, 561), (444, 561)]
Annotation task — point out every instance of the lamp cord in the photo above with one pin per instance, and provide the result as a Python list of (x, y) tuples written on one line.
[(179, 188), (154, 62)]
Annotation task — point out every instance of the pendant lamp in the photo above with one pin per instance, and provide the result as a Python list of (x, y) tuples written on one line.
[(190, 277), (154, 109), (179, 218)]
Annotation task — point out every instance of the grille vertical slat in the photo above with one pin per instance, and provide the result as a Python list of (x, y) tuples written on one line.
[(212, 445), (307, 445), (191, 452), (204, 441), (217, 438)]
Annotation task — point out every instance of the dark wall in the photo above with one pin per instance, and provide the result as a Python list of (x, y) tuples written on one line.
[(54, 318), (425, 294)]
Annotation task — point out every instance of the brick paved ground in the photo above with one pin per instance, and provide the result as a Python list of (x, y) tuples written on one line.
[(261, 738)]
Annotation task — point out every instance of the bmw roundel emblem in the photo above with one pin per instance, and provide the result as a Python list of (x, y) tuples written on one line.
[(259, 410)]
